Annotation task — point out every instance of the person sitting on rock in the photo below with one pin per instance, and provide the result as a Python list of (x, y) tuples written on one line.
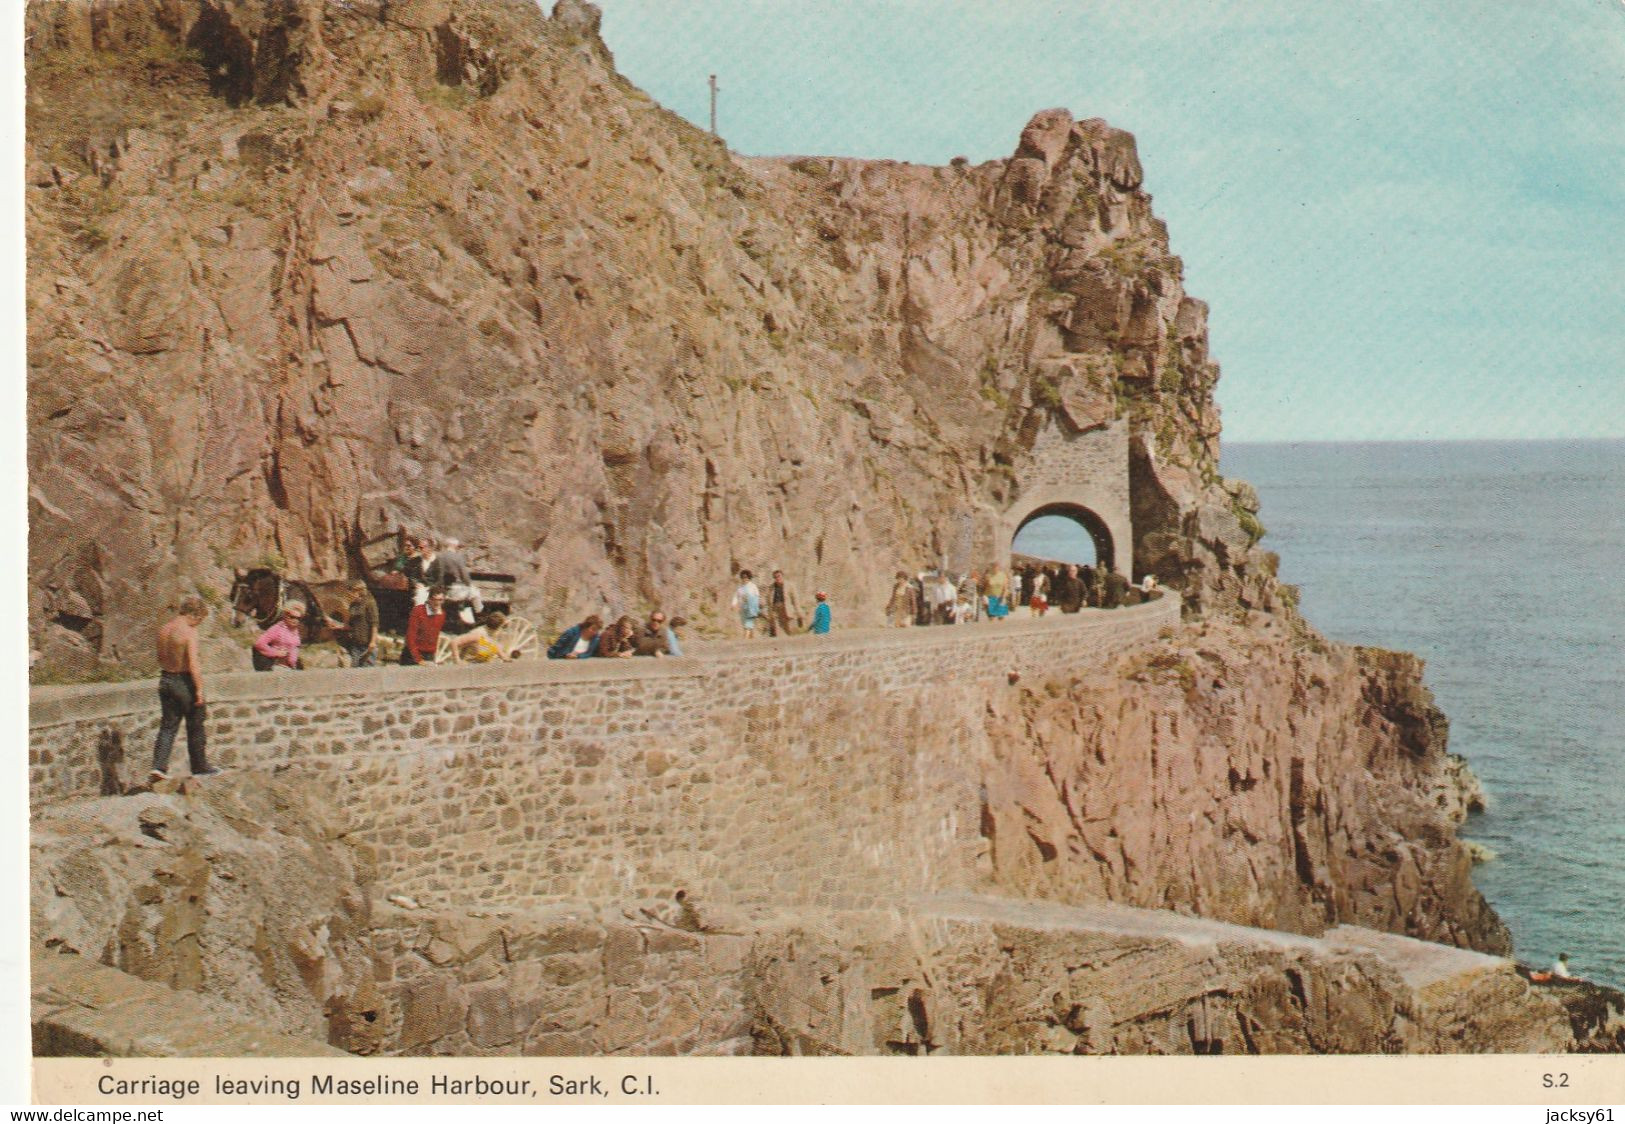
[(423, 627), (278, 646), (485, 643), (578, 642)]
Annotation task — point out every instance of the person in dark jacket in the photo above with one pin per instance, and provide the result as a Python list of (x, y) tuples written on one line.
[(618, 641), (656, 638), (1069, 590), (358, 635), (1116, 590), (578, 642)]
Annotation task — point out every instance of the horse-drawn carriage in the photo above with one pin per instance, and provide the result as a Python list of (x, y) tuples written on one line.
[(261, 593)]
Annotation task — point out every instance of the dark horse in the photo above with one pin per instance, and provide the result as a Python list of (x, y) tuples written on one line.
[(261, 594)]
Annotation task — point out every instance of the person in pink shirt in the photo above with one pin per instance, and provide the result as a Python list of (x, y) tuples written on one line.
[(278, 646)]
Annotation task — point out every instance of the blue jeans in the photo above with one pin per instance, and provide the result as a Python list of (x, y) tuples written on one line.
[(361, 657), (178, 698)]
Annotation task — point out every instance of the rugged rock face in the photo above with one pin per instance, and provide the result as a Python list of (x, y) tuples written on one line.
[(301, 272), (247, 895), (238, 912), (1228, 776), (1235, 773)]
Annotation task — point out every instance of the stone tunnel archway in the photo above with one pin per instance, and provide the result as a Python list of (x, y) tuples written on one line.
[(1083, 476), (1099, 533)]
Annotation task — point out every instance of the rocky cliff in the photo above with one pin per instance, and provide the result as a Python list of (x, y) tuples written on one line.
[(240, 910), (301, 271), (1237, 772)]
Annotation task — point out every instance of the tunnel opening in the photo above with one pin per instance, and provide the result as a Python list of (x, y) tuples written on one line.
[(1064, 532)]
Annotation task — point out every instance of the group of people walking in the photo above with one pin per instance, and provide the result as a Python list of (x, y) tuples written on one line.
[(778, 605), (935, 597)]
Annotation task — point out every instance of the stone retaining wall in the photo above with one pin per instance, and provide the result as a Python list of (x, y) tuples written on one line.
[(834, 771)]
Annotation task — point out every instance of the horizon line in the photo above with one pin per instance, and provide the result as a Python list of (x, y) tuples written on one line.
[(1415, 441)]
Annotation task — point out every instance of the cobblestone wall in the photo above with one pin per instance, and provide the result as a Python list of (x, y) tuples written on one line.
[(833, 771)]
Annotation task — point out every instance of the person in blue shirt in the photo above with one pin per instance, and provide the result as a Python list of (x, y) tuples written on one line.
[(821, 614), (577, 642)]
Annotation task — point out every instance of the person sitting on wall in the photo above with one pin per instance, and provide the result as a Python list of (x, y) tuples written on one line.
[(673, 647), (485, 643), (415, 568), (579, 641), (423, 629), (278, 646)]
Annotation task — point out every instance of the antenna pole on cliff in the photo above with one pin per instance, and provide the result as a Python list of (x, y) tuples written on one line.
[(713, 105)]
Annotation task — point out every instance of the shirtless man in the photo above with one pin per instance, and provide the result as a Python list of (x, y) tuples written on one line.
[(180, 691)]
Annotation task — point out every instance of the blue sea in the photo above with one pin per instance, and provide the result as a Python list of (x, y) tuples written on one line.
[(1500, 564)]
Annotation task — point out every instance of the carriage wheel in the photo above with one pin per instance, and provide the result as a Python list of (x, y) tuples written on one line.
[(522, 638), (444, 652)]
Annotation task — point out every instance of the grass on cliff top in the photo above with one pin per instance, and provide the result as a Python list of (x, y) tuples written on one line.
[(79, 97)]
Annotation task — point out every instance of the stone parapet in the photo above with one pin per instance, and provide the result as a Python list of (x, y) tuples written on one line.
[(855, 753)]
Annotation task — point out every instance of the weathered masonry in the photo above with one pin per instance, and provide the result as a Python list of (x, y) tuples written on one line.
[(1083, 476), (837, 772)]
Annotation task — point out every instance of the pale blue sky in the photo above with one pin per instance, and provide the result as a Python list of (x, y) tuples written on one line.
[(1408, 217)]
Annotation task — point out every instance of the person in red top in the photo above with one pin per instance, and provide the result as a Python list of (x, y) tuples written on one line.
[(423, 629)]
